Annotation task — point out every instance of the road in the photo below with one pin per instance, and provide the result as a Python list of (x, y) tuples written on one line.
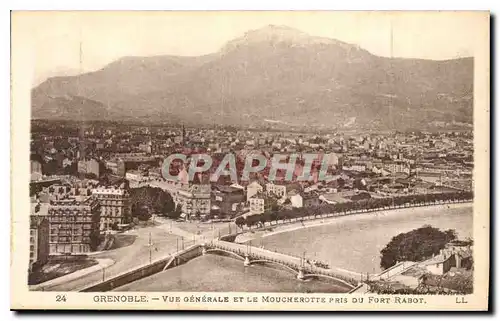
[(134, 250)]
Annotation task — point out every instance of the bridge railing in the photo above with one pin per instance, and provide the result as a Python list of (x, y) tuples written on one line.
[(292, 262)]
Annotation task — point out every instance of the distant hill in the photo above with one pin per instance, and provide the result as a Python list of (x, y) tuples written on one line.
[(70, 107), (57, 72), (271, 76)]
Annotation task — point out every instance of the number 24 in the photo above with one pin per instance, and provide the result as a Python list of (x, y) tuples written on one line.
[(60, 298)]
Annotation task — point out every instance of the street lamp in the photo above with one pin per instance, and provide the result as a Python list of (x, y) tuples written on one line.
[(150, 248), (373, 266)]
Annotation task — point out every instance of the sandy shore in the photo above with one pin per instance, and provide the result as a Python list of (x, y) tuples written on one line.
[(288, 227)]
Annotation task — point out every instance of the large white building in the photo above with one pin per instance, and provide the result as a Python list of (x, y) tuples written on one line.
[(253, 189), (296, 200), (397, 167), (276, 189), (256, 204)]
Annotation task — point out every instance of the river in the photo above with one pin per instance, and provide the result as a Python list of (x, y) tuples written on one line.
[(354, 242), (351, 243), (214, 273)]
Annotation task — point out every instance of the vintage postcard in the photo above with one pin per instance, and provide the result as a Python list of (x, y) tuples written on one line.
[(286, 160)]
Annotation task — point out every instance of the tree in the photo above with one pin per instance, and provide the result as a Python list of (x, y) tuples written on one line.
[(94, 240), (71, 169), (153, 198), (273, 216), (90, 176), (142, 212), (265, 217), (240, 221), (271, 204), (50, 168), (176, 213), (252, 220), (416, 245), (162, 202)]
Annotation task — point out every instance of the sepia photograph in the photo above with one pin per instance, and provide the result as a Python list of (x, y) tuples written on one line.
[(244, 160)]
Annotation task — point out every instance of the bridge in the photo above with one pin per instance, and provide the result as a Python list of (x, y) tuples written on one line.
[(253, 255)]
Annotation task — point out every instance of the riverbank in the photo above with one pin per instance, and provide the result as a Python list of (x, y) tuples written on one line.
[(270, 230)]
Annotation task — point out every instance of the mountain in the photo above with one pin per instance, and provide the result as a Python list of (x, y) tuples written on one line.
[(56, 72), (71, 107), (274, 75)]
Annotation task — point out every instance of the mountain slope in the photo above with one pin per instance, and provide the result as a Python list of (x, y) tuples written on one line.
[(71, 107), (276, 73)]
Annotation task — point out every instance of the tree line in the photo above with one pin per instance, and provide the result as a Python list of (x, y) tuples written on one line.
[(289, 214)]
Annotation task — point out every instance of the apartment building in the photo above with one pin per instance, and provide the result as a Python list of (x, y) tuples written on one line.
[(91, 166), (194, 200), (74, 224), (256, 204), (276, 189), (115, 205), (397, 167), (253, 189), (281, 190), (39, 236)]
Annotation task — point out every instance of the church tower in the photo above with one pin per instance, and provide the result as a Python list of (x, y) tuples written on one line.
[(183, 136)]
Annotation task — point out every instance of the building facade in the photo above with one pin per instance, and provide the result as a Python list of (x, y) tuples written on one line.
[(114, 204), (311, 200), (276, 189), (194, 200), (36, 166), (397, 167), (229, 199), (74, 225), (91, 166), (297, 200), (39, 241), (133, 161), (253, 189), (256, 204)]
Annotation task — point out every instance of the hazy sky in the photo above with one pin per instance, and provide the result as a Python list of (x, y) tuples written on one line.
[(55, 37)]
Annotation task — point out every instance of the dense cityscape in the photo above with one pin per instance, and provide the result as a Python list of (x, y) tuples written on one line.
[(92, 181)]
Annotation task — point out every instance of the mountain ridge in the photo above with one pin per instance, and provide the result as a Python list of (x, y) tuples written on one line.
[(274, 73)]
